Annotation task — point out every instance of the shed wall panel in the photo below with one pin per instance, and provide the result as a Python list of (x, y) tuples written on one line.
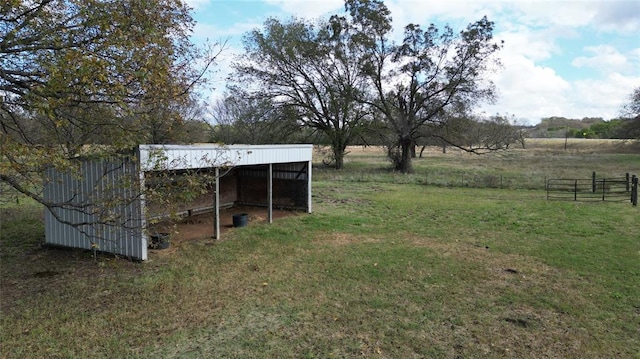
[(99, 208)]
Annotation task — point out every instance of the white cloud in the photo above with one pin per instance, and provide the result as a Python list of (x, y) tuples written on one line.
[(622, 16), (196, 4), (606, 58), (425, 12), (534, 92), (529, 91), (603, 97), (619, 16), (310, 9), (215, 33), (553, 13), (532, 45)]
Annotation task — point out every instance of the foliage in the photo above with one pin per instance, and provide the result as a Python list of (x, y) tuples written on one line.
[(631, 112), (631, 108), (588, 127), (243, 119), (477, 135), (310, 68), (432, 78), (91, 78)]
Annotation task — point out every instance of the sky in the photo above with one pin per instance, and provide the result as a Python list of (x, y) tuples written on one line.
[(572, 59)]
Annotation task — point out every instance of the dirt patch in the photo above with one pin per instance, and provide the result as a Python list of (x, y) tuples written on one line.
[(201, 226)]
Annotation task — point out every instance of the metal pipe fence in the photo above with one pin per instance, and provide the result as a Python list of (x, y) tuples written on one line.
[(605, 189)]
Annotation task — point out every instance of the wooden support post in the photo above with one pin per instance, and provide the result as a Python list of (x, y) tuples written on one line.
[(593, 182)]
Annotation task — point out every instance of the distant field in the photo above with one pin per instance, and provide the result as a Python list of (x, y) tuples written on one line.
[(515, 168), (387, 266)]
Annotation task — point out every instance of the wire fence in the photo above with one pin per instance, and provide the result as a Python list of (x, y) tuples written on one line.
[(437, 178)]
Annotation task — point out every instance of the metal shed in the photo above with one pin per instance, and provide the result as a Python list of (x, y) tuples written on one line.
[(101, 206)]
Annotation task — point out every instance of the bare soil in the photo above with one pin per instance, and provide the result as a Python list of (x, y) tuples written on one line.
[(200, 226)]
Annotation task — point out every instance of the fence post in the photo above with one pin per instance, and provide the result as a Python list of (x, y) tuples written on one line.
[(593, 182), (575, 190), (546, 186), (603, 187), (634, 191), (628, 182)]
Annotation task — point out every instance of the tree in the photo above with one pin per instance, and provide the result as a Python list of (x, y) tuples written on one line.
[(631, 113), (495, 132), (178, 122), (311, 68), (606, 129), (242, 119), (631, 108), (90, 78), (418, 82)]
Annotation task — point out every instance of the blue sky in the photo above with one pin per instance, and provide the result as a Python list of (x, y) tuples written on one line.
[(561, 58)]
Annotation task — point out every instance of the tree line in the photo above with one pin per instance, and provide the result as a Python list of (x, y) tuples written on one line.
[(95, 78), (561, 127), (343, 81)]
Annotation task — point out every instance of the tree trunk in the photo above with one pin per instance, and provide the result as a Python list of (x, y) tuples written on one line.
[(339, 157), (405, 165), (338, 154)]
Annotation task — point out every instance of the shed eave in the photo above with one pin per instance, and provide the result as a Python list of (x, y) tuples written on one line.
[(177, 157)]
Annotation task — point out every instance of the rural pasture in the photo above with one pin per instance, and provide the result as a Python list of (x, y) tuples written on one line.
[(463, 259)]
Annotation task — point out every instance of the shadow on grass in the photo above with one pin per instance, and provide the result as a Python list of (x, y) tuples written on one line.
[(29, 267)]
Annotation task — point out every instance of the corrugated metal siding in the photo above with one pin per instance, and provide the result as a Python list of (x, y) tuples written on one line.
[(289, 186), (100, 207), (285, 171)]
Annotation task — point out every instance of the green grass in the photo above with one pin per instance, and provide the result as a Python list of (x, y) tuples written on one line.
[(380, 269)]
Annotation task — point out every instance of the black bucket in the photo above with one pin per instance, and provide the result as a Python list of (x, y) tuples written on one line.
[(240, 220), (159, 241)]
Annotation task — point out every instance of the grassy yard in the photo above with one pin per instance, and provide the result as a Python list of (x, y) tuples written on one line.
[(386, 267)]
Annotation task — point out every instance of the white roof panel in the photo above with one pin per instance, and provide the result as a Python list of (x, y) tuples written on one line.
[(176, 157)]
